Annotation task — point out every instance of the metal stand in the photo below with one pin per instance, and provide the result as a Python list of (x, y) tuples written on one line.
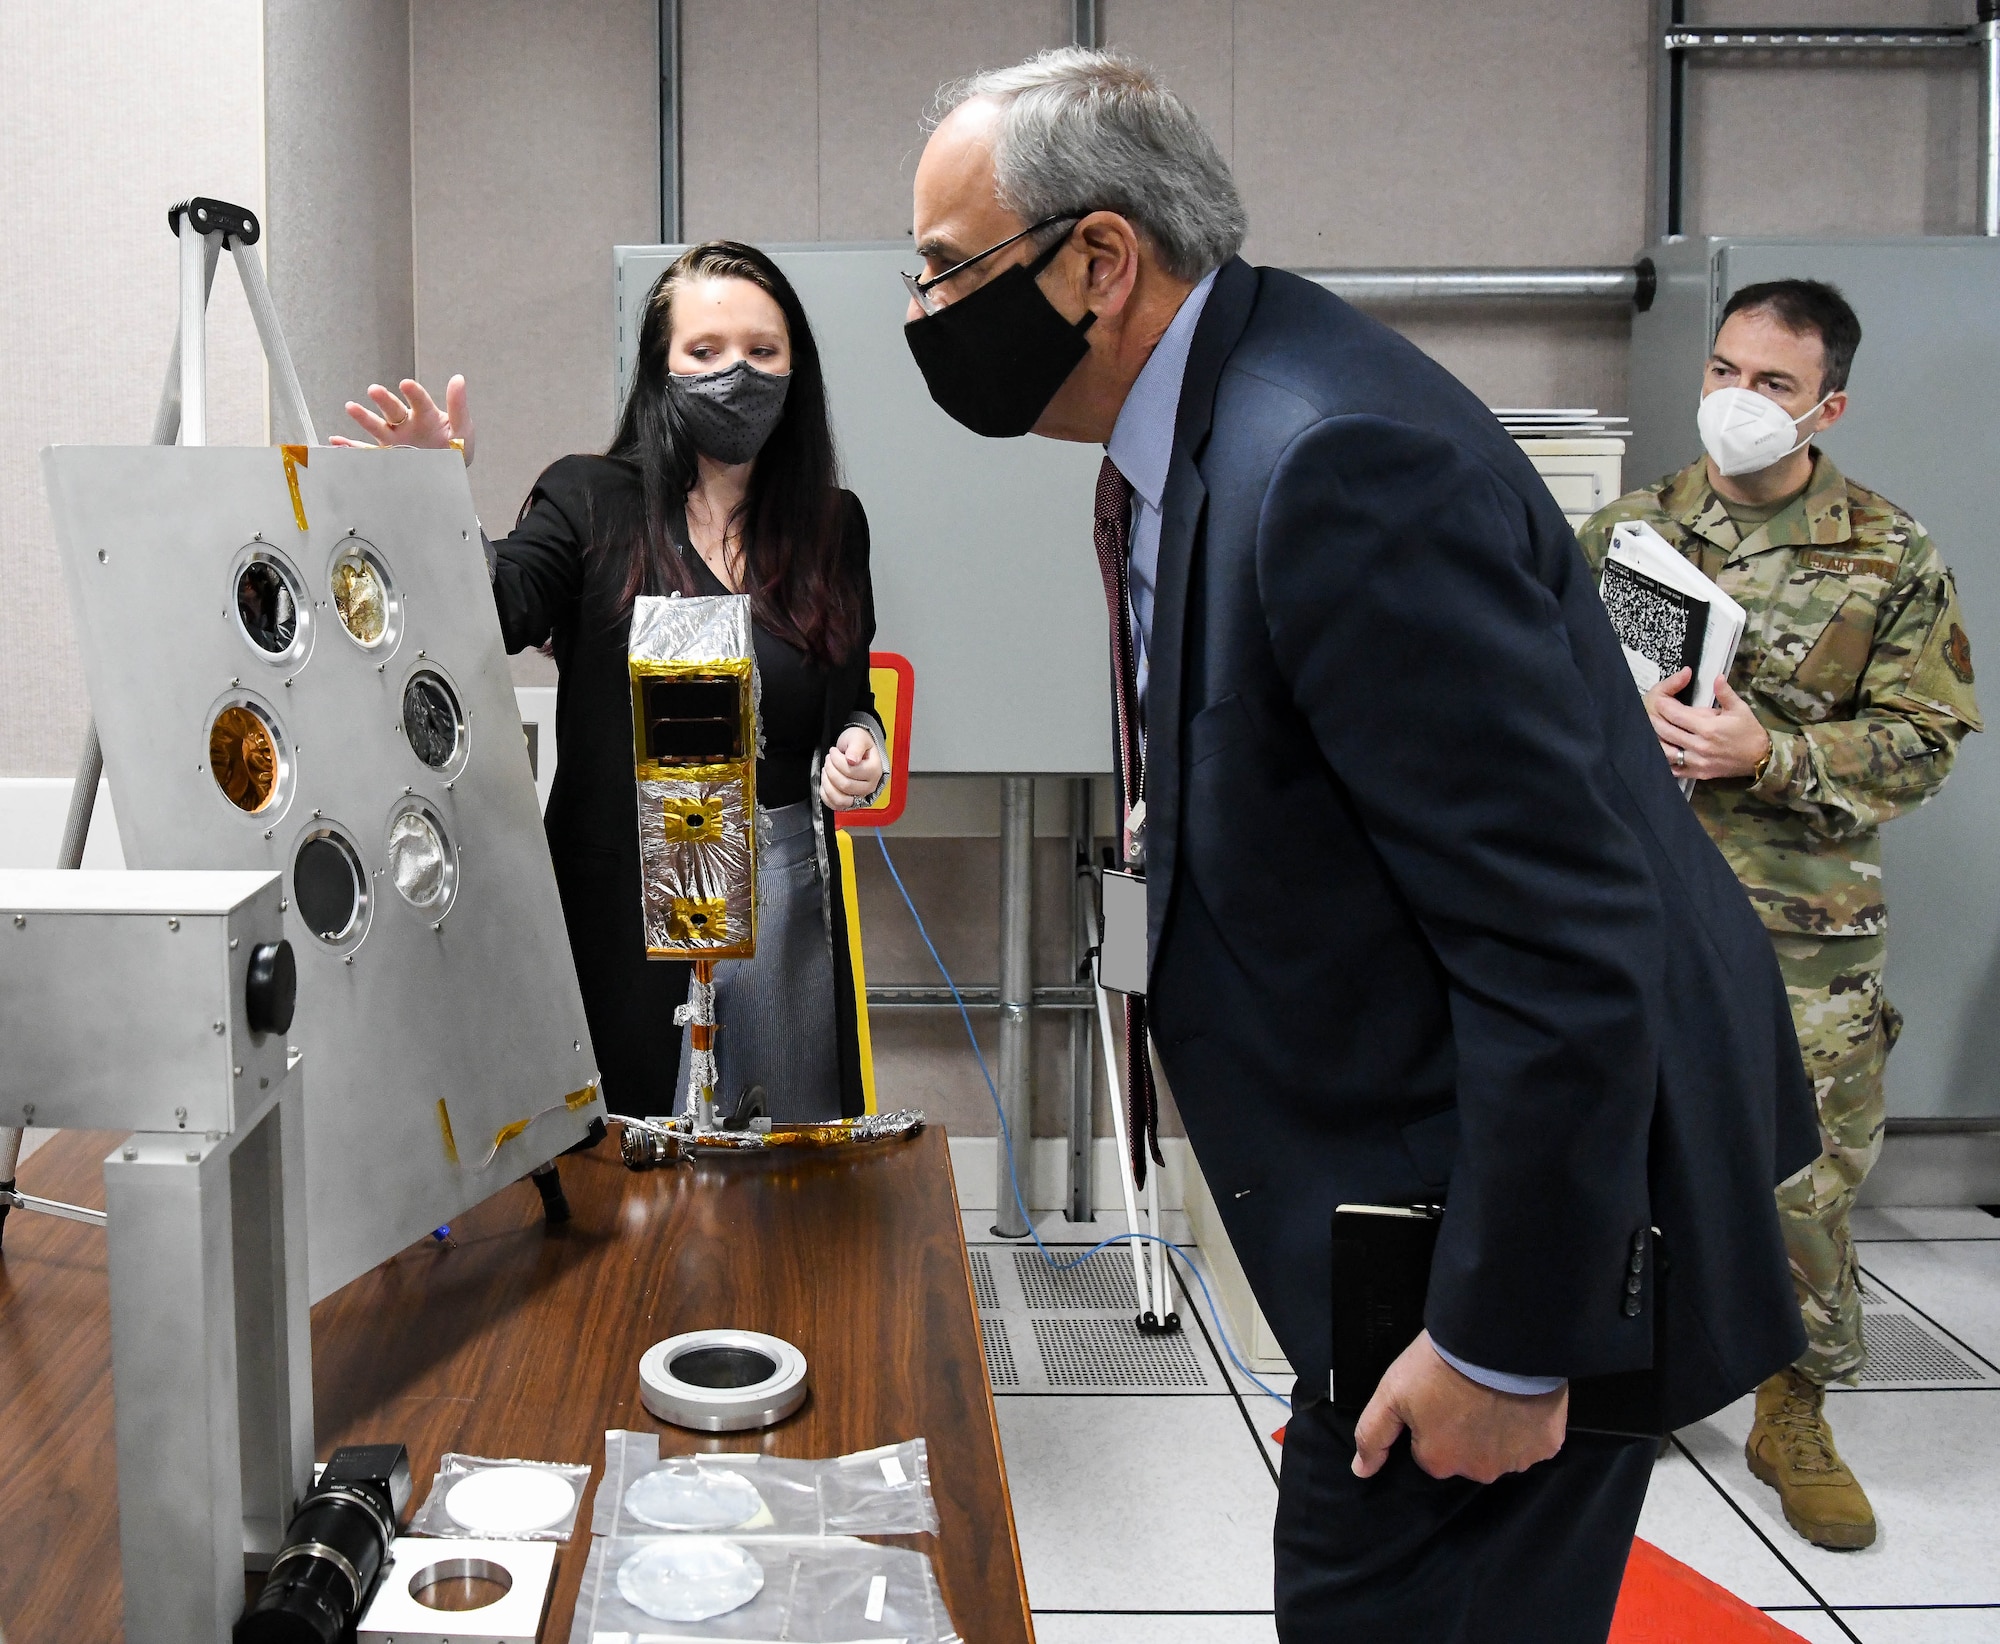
[(211, 1358), (1017, 933), (1149, 1279), (1081, 1107)]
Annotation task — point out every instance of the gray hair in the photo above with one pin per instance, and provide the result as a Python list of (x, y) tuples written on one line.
[(1095, 131)]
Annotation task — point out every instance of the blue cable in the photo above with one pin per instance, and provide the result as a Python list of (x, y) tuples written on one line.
[(1007, 1141)]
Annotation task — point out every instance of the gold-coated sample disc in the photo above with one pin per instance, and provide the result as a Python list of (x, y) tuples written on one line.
[(243, 757), (361, 600)]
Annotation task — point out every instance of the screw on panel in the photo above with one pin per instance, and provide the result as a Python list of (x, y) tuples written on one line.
[(263, 1084), (256, 536), (173, 924), (233, 941), (348, 960), (102, 557), (236, 1073), (283, 906), (181, 1117), (131, 1154), (267, 833), (193, 1157), (28, 1111), (20, 921), (218, 1026)]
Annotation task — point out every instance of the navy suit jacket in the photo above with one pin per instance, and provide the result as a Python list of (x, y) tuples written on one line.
[(1429, 918)]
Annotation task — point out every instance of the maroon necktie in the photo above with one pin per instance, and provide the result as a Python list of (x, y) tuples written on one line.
[(1111, 533)]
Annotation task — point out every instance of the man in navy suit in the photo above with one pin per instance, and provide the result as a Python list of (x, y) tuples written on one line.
[(1427, 917)]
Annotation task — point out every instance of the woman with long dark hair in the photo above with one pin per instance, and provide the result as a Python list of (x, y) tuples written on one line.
[(720, 479)]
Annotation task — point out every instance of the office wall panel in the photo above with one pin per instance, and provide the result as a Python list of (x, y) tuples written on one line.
[(337, 242), (112, 113), (751, 116)]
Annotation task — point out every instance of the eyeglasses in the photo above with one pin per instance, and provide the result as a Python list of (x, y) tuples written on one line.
[(921, 288)]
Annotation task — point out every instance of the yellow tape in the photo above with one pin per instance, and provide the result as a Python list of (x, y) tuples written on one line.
[(691, 821), (506, 1133), (850, 896), (444, 1124), (581, 1098), (295, 459)]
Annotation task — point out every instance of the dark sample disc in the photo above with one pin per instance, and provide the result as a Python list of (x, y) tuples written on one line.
[(327, 884)]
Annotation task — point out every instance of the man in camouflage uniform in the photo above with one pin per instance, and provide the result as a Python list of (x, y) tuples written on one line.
[(1845, 706)]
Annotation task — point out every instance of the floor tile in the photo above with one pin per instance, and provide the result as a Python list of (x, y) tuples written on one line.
[(1924, 1221), (1688, 1518), (1138, 1503), (1956, 1284), (1924, 1626), (1930, 1462), (1155, 1629)]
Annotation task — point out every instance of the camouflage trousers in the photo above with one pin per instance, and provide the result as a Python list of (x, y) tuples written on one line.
[(1846, 1027)]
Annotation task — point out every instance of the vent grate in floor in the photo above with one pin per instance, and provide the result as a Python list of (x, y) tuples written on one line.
[(984, 1294), (1001, 1370), (1902, 1348), (1101, 1284), (1110, 1353)]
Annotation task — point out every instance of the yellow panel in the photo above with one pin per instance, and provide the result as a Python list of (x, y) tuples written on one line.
[(851, 897)]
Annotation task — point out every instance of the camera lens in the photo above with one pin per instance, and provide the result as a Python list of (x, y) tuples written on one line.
[(335, 1549)]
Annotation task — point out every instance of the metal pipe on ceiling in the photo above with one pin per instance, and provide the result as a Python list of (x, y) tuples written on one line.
[(1630, 284)]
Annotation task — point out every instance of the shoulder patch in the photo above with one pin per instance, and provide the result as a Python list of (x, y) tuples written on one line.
[(1958, 654)]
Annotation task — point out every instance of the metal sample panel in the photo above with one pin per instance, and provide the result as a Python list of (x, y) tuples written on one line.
[(103, 974), (1924, 431), (984, 573), (295, 666)]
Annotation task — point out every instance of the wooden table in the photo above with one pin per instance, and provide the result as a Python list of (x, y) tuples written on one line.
[(521, 1340)]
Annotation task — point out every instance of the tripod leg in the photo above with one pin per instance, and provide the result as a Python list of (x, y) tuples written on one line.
[(284, 377), (167, 420), (548, 1183), (197, 272)]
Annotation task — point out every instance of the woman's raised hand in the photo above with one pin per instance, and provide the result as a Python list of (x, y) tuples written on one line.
[(414, 418)]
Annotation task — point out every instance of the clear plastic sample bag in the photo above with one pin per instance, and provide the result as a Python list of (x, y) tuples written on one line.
[(689, 1589), (883, 1492), (501, 1500)]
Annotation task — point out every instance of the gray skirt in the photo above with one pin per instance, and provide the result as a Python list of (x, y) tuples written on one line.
[(774, 1013)]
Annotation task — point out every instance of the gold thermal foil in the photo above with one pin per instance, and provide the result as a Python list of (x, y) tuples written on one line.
[(694, 744), (700, 892)]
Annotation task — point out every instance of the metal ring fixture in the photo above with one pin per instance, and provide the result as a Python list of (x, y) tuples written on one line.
[(722, 1381)]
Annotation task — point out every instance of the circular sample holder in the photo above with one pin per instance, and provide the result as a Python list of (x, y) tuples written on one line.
[(722, 1381)]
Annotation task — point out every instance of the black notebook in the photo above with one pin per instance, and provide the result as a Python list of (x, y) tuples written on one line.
[(1664, 625), (1381, 1278)]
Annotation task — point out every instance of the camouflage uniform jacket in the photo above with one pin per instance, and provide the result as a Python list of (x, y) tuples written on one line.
[(1855, 660)]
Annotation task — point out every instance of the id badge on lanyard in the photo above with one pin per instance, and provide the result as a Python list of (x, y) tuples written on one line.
[(1121, 955)]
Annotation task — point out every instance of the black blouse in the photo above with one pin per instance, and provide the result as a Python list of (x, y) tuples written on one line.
[(548, 588)]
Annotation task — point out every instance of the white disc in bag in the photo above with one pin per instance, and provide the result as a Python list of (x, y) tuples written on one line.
[(690, 1579), (688, 1496), (509, 1501)]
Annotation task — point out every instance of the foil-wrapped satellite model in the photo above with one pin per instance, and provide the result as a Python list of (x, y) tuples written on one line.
[(694, 733)]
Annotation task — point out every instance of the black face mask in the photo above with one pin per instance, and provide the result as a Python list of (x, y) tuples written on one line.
[(730, 412), (994, 359)]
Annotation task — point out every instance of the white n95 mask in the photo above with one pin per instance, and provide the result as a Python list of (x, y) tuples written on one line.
[(1742, 431)]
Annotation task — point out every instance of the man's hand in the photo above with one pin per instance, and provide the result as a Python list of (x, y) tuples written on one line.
[(414, 418), (852, 770), (1706, 743), (1458, 1429)]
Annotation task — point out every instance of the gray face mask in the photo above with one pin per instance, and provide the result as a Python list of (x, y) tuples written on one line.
[(730, 412)]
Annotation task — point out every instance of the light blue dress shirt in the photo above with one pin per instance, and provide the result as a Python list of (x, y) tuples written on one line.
[(1142, 449)]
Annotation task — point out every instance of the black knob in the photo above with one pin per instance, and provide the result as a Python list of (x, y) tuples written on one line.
[(272, 988)]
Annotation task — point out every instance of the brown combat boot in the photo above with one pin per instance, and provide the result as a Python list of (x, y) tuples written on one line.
[(1791, 1449)]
